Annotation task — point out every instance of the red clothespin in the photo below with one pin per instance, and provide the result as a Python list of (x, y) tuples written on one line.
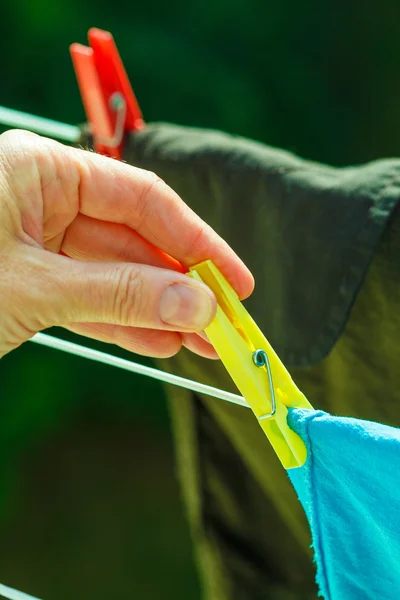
[(110, 104)]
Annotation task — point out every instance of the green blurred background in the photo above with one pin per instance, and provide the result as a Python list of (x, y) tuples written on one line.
[(89, 502)]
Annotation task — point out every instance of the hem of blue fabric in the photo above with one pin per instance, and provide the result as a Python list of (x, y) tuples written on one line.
[(299, 420)]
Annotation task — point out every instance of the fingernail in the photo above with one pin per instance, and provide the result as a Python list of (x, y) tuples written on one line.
[(191, 307)]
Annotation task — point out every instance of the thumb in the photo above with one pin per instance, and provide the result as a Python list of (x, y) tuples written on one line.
[(126, 294)]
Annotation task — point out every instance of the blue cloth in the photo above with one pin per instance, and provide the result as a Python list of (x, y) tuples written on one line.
[(350, 490)]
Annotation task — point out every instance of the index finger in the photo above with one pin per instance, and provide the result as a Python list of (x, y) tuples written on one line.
[(117, 192)]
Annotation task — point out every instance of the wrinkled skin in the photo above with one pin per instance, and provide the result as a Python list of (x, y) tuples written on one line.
[(101, 247)]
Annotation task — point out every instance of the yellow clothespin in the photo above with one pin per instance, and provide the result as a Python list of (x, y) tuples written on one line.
[(254, 367)]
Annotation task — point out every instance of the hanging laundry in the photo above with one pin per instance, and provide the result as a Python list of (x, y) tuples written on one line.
[(309, 233), (349, 488)]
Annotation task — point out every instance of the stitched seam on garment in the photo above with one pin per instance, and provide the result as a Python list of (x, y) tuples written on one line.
[(205, 159), (321, 577), (219, 158), (346, 295), (206, 164), (350, 283)]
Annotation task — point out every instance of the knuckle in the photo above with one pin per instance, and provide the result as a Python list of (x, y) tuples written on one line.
[(199, 242), (124, 249), (143, 202), (153, 180), (14, 137), (19, 152), (15, 144), (129, 300)]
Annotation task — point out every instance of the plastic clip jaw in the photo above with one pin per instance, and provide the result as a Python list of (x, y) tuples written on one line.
[(110, 104), (254, 367)]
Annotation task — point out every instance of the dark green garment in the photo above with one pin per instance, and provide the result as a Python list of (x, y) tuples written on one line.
[(324, 246)]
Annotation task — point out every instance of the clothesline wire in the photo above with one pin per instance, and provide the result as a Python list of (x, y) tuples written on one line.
[(21, 120), (133, 367), (11, 594)]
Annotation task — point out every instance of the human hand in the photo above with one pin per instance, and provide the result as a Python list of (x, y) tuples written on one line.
[(126, 239)]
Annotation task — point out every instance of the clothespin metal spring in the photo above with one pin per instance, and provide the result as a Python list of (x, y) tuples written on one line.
[(268, 389), (260, 359), (117, 105)]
